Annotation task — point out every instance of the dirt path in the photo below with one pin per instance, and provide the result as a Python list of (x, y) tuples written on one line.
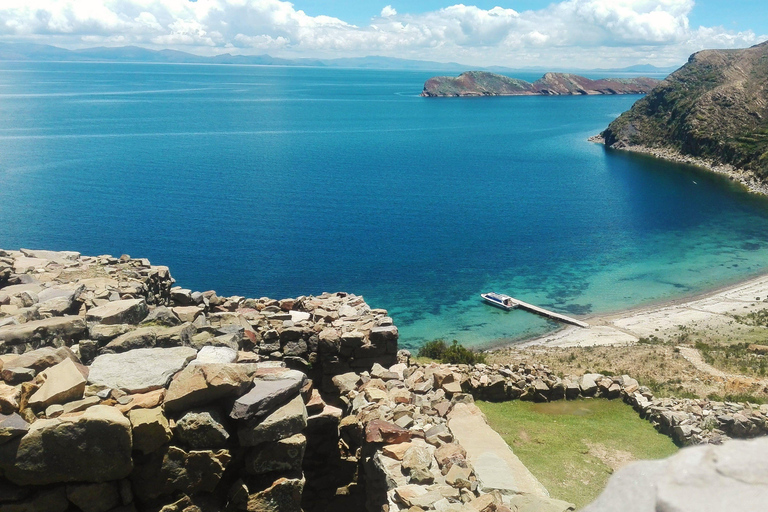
[(694, 357)]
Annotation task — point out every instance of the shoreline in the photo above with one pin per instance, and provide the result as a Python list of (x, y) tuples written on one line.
[(742, 176), (712, 309)]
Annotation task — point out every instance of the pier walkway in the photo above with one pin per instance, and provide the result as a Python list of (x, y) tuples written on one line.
[(549, 314)]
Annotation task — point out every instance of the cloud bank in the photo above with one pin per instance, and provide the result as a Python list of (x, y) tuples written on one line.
[(569, 32)]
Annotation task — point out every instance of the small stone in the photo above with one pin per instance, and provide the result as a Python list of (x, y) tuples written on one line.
[(396, 451)]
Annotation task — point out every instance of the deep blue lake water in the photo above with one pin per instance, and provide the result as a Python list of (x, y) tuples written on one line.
[(268, 181)]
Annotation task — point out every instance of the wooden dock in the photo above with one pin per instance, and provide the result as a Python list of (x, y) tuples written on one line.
[(548, 314)]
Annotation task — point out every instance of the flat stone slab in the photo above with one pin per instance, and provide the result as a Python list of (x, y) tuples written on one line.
[(139, 370), (130, 311), (65, 327), (266, 395), (496, 467)]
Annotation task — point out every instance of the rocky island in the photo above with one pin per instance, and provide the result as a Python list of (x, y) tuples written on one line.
[(482, 83), (713, 111)]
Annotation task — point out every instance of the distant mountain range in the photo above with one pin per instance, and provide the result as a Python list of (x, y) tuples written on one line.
[(41, 52)]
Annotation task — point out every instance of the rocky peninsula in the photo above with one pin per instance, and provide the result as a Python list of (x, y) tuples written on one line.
[(482, 83), (711, 112), (121, 392)]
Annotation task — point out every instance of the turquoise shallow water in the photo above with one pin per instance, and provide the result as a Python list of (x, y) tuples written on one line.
[(282, 182)]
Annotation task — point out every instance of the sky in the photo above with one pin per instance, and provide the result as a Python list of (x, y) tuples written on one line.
[(512, 33)]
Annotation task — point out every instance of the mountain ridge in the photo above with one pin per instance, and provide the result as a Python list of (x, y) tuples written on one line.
[(714, 108), (41, 52)]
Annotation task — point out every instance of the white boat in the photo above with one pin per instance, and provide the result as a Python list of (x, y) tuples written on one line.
[(499, 300)]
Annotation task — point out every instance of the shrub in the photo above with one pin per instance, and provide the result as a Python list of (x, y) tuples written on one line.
[(452, 354)]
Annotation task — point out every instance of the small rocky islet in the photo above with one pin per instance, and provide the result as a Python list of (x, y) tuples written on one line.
[(122, 392), (483, 83)]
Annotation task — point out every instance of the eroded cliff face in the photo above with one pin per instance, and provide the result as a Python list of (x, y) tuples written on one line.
[(481, 83), (714, 107)]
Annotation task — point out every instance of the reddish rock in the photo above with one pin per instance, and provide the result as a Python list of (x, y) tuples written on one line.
[(380, 431)]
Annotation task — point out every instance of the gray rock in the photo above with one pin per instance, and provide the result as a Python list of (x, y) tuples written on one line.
[(130, 311), (65, 328), (105, 333), (705, 478), (210, 354), (285, 455), (175, 470), (92, 447), (202, 429), (161, 315), (139, 370), (286, 421), (143, 337), (588, 383), (12, 426), (267, 394)]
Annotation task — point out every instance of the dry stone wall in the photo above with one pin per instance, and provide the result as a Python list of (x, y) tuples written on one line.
[(121, 392)]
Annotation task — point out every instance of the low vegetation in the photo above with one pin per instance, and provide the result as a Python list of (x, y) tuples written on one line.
[(573, 447), (454, 353)]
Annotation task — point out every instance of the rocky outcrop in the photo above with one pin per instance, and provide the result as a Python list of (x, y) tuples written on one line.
[(712, 108), (482, 83)]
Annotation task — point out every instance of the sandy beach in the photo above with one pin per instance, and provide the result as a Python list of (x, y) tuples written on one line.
[(711, 311)]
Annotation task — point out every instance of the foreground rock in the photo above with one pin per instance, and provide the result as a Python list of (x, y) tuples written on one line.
[(94, 446), (482, 83), (697, 479)]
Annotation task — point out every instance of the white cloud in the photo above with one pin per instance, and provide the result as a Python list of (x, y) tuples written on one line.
[(569, 32), (388, 11)]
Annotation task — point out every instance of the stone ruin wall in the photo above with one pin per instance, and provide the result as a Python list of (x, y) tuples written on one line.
[(121, 393)]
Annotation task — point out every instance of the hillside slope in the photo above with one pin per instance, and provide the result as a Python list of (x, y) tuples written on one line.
[(715, 107), (482, 83)]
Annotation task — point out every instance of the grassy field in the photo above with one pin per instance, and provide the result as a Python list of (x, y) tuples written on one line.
[(572, 447)]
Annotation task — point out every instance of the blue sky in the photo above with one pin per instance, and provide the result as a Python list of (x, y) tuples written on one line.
[(513, 33)]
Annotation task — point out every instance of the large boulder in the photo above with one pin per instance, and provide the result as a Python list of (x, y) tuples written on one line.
[(129, 311), (139, 370), (705, 478), (201, 384), (94, 446)]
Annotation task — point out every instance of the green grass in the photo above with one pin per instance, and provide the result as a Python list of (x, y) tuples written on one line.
[(571, 446)]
